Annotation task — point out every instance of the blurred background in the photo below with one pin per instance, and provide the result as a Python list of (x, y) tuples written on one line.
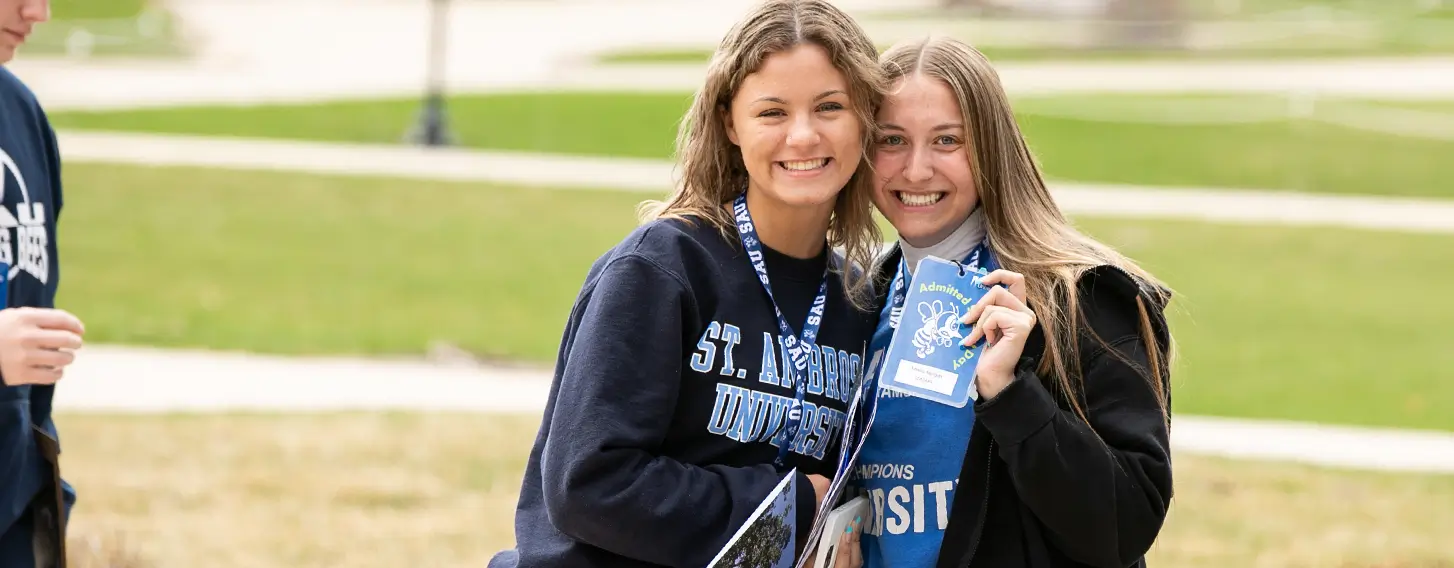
[(325, 250)]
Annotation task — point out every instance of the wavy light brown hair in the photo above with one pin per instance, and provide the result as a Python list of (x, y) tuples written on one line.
[(711, 167), (1026, 228)]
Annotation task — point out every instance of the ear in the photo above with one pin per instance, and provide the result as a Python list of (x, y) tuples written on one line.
[(726, 115)]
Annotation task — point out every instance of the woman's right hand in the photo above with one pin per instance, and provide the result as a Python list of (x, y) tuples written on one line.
[(849, 554)]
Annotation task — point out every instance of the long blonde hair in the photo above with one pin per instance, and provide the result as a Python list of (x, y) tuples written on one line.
[(713, 173), (1027, 230)]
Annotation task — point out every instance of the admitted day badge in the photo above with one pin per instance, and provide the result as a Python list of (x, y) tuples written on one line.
[(925, 358)]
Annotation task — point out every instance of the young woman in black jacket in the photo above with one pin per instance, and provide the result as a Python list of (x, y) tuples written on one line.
[(1063, 457)]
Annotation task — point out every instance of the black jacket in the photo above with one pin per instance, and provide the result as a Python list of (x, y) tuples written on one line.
[(1041, 490)]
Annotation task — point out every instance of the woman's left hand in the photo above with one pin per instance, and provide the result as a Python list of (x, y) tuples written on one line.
[(1002, 318)]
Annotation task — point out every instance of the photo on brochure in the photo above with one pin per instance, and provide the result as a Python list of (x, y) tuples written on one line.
[(767, 539)]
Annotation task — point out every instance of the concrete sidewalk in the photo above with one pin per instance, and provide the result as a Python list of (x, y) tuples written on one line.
[(137, 380), (1424, 78), (1224, 205), (96, 86)]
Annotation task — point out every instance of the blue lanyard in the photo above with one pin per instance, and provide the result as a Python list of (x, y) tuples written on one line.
[(797, 349)]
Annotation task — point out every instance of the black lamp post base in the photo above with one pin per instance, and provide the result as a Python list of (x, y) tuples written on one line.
[(432, 128)]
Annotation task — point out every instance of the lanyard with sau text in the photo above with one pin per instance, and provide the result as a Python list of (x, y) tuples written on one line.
[(796, 348)]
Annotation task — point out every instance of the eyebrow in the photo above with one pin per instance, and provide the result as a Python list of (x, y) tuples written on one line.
[(947, 126), (825, 95)]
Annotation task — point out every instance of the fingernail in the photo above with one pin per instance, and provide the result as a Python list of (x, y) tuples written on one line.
[(847, 530), (857, 519)]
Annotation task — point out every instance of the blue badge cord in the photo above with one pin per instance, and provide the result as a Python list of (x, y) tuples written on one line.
[(797, 348)]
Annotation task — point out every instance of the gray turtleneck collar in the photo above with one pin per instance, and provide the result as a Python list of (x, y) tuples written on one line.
[(954, 247)]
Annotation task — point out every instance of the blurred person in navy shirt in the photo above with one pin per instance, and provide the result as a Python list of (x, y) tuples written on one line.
[(37, 341)]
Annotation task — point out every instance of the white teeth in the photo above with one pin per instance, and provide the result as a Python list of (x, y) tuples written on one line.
[(919, 199), (805, 165)]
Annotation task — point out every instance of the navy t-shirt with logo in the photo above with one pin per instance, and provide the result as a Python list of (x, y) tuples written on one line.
[(30, 192)]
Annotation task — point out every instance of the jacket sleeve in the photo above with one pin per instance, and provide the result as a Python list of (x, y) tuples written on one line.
[(604, 479), (1102, 491)]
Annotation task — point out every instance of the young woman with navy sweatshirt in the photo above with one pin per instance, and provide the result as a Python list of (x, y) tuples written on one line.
[(718, 345), (1063, 459)]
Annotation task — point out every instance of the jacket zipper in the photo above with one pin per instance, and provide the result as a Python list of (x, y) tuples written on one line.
[(984, 507)]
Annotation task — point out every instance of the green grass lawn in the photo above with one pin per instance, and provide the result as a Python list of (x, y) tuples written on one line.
[(115, 28), (62, 10), (1278, 322), (608, 124), (1128, 139), (1107, 139), (1272, 322), (1427, 105)]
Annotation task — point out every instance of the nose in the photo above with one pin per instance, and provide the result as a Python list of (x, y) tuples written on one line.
[(803, 132), (35, 11), (920, 167)]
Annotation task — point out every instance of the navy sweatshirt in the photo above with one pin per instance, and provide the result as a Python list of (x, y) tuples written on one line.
[(30, 178), (670, 388)]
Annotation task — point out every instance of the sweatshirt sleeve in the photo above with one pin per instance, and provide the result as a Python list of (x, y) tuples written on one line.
[(605, 482), (1101, 493)]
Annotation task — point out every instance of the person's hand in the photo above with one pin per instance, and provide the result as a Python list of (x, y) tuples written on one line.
[(848, 554), (36, 344), (820, 488), (1004, 321)]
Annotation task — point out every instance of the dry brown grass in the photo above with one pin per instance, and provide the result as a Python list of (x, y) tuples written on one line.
[(1254, 515), (392, 490), (320, 490), (97, 551)]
